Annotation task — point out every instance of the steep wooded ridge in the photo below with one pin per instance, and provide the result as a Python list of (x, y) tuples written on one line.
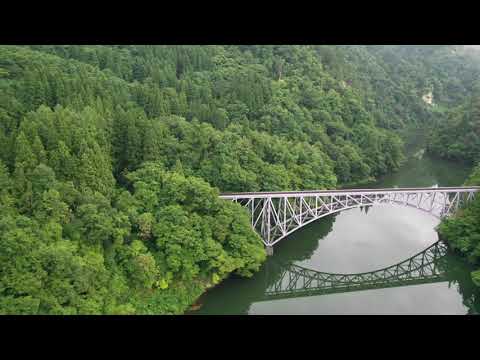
[(462, 231), (112, 157), (457, 137)]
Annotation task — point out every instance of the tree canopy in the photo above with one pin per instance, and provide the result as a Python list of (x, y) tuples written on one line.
[(113, 157)]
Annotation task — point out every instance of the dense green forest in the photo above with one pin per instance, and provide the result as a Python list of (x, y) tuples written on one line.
[(457, 137), (113, 157), (462, 231)]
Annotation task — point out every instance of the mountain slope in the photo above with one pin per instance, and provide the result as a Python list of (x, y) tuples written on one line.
[(113, 158)]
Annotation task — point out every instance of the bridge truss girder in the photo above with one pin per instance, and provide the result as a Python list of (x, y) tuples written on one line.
[(275, 216)]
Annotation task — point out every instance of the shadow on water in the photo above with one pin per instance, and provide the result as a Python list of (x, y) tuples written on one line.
[(299, 281), (434, 264)]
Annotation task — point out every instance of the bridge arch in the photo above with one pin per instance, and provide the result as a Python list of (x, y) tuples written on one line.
[(343, 209), (276, 215)]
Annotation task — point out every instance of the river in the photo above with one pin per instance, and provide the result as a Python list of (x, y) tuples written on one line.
[(358, 241)]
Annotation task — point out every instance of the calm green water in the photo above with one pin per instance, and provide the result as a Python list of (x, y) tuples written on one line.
[(356, 241)]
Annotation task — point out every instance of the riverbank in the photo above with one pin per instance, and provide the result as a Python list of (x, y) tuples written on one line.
[(462, 231), (177, 299)]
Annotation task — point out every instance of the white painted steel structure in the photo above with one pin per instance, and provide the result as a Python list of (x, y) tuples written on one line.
[(275, 215)]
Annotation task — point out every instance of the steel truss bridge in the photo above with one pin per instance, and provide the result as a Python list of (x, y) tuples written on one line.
[(275, 215), (297, 281)]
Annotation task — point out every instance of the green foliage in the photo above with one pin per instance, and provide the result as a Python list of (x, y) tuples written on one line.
[(458, 137), (476, 277), (463, 230), (113, 157)]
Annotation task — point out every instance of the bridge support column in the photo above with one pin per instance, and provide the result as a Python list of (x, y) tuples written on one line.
[(269, 250)]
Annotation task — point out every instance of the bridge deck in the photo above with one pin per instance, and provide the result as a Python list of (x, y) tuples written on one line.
[(348, 191)]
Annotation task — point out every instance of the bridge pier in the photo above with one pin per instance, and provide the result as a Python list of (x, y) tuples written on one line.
[(269, 250)]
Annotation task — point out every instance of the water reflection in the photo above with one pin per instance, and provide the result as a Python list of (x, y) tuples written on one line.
[(292, 280), (345, 247), (286, 288), (435, 265)]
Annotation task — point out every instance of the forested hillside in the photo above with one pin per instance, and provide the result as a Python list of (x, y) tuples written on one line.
[(112, 157), (393, 80), (462, 232), (458, 137)]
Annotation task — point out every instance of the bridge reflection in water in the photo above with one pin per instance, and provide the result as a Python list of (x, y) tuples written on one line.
[(297, 281), (283, 277)]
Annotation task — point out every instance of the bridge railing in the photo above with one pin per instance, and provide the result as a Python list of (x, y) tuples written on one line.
[(265, 194)]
